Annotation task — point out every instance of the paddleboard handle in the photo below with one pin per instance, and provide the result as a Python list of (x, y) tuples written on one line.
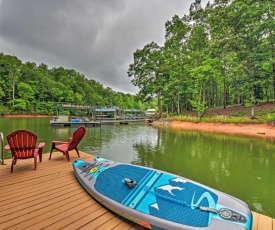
[(226, 214), (207, 209), (130, 183)]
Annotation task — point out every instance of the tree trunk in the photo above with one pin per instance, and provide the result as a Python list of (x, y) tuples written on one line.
[(178, 103), (224, 93), (252, 112), (159, 104), (273, 67), (13, 89)]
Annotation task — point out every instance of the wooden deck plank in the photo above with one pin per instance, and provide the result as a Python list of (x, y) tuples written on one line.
[(21, 209), (51, 198), (39, 192), (87, 219), (265, 222), (73, 217), (101, 220), (124, 225), (39, 211), (110, 224), (255, 220), (59, 211)]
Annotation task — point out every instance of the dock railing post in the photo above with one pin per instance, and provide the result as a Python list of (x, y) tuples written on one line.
[(2, 148)]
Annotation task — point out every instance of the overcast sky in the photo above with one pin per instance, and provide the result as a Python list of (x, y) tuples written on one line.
[(97, 38)]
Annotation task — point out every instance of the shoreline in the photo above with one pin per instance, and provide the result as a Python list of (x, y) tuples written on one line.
[(256, 130)]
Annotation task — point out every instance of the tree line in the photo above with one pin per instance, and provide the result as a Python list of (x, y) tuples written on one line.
[(217, 55), (28, 88)]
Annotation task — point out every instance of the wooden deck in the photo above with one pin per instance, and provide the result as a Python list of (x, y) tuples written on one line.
[(51, 198)]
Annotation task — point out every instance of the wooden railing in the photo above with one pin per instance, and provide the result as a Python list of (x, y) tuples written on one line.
[(2, 148)]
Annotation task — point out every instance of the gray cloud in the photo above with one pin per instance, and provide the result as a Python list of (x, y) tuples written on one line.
[(95, 37)]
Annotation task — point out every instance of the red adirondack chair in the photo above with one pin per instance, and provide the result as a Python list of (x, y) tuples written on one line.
[(69, 145), (22, 144)]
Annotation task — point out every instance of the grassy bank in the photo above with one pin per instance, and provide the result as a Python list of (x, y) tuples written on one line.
[(263, 113)]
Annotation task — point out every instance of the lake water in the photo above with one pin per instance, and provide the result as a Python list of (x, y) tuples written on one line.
[(243, 167)]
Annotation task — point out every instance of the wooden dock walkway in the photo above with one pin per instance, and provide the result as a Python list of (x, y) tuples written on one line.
[(51, 198)]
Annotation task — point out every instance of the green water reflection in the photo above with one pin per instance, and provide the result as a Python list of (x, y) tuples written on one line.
[(241, 166)]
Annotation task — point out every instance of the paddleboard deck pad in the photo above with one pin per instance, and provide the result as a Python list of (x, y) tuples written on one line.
[(160, 200)]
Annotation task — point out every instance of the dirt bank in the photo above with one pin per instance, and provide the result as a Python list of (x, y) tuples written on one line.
[(258, 130)]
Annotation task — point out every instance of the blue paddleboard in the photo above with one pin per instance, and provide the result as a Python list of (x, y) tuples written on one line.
[(160, 200)]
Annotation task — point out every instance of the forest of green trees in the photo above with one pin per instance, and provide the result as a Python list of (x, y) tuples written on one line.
[(26, 88), (218, 55)]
